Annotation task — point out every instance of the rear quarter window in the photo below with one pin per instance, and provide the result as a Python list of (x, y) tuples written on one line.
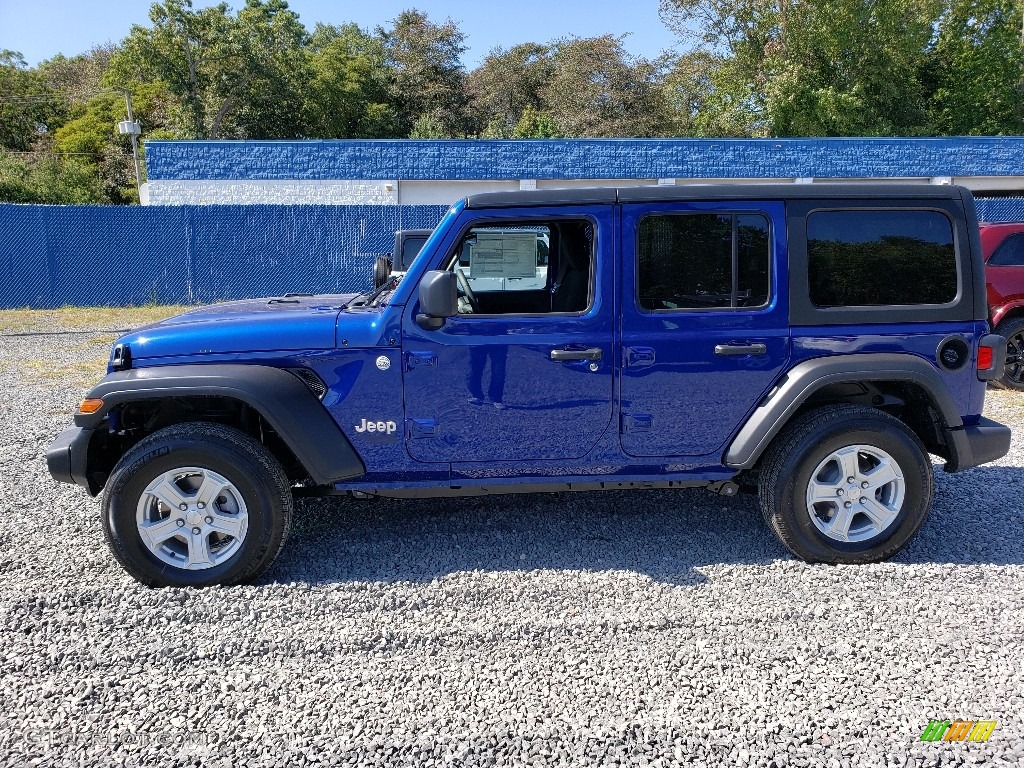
[(871, 258)]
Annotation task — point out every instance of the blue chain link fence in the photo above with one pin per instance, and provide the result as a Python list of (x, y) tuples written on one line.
[(52, 256), (1001, 208)]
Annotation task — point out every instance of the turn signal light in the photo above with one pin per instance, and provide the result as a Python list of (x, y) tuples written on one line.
[(985, 357), (90, 405)]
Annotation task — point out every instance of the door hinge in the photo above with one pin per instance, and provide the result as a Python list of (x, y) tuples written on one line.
[(637, 422), (638, 356)]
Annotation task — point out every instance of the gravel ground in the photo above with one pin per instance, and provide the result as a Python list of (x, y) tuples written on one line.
[(632, 628)]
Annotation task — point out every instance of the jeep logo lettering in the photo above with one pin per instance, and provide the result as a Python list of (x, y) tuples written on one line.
[(387, 427)]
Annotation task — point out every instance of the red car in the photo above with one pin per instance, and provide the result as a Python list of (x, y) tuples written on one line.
[(1003, 246)]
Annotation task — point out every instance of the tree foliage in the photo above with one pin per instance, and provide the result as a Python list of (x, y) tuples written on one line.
[(348, 95), (426, 73), (978, 65), (800, 68), (743, 68), (48, 179), (26, 104), (234, 76)]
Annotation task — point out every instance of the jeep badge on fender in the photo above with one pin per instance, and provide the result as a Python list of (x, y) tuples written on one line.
[(810, 343)]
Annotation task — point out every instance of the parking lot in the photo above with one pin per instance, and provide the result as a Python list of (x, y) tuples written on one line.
[(629, 628)]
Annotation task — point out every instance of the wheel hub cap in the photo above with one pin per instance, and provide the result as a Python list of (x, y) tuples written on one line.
[(192, 518), (855, 493)]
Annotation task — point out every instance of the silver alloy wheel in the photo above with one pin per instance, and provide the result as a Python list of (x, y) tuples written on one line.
[(855, 493), (192, 518)]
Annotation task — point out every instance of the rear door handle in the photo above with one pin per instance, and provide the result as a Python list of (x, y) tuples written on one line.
[(563, 355), (730, 350)]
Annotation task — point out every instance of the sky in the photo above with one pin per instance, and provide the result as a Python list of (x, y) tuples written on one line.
[(39, 29)]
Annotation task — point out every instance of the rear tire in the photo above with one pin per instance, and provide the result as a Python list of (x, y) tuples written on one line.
[(846, 484), (1013, 372), (195, 505)]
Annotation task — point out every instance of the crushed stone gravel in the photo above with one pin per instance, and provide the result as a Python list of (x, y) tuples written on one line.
[(639, 628)]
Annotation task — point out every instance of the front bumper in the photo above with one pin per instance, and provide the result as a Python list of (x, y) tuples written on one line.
[(67, 457), (970, 446)]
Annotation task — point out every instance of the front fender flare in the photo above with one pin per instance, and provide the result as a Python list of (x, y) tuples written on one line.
[(281, 398)]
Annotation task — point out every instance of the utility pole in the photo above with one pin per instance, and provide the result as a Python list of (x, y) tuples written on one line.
[(132, 128)]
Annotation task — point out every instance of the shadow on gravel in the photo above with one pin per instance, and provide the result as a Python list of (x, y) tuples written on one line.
[(977, 518), (664, 534)]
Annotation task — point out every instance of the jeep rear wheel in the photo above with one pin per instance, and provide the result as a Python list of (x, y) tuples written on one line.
[(195, 505), (846, 484), (1013, 372)]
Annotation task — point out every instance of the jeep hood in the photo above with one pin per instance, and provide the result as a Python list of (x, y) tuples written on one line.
[(284, 323)]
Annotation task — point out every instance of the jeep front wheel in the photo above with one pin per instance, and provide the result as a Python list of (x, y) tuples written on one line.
[(846, 484), (196, 504)]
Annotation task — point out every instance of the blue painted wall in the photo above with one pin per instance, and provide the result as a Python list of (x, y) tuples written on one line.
[(51, 256), (585, 159)]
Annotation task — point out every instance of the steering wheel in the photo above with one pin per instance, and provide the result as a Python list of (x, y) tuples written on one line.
[(466, 290)]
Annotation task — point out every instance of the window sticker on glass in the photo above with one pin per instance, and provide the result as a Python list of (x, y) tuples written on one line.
[(509, 255)]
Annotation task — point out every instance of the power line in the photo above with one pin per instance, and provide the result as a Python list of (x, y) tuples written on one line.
[(46, 152), (45, 96)]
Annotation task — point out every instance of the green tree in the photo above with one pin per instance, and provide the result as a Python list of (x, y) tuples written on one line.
[(26, 103), (596, 89), (347, 96), (705, 96), (48, 179), (267, 101), (506, 85), (849, 68), (535, 124), (793, 67), (428, 81), (76, 79), (978, 68), (234, 77)]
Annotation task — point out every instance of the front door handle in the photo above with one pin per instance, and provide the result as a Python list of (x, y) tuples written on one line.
[(730, 350), (564, 355)]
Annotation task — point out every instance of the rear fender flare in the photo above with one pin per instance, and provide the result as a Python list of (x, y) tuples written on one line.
[(804, 379)]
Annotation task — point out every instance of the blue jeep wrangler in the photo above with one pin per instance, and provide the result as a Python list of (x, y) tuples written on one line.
[(811, 343)]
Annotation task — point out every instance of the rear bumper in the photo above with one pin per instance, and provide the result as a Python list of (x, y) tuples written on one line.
[(970, 446), (67, 456)]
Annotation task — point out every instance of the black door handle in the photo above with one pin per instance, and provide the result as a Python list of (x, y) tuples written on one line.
[(729, 350), (564, 355)]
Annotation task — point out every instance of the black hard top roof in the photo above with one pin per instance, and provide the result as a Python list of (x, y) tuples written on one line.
[(697, 192)]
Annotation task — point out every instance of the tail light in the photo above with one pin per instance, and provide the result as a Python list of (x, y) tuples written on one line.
[(991, 357)]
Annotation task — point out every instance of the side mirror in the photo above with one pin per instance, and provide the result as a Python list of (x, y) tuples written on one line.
[(438, 299)]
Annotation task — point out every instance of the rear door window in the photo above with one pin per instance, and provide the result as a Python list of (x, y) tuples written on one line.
[(703, 261)]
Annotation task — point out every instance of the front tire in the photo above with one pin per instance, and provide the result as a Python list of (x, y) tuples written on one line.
[(846, 484), (196, 504)]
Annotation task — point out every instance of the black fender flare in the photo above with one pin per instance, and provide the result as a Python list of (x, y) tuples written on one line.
[(278, 396), (805, 378)]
